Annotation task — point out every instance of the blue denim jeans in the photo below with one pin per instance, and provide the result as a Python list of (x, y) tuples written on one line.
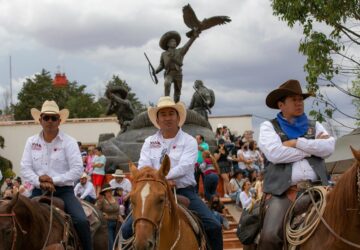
[(111, 225), (75, 210), (210, 185), (211, 224)]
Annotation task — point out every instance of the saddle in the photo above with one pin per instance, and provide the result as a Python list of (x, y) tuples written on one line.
[(91, 213), (195, 223)]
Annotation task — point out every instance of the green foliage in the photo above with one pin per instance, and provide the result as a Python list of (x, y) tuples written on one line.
[(356, 101), (39, 88), (116, 81), (329, 40), (5, 164)]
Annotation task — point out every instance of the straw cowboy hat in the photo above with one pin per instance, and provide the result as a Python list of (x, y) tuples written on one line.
[(84, 175), (118, 173), (50, 108), (290, 87), (105, 188), (167, 102), (167, 36)]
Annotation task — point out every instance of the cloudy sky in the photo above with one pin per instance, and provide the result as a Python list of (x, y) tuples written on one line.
[(92, 40)]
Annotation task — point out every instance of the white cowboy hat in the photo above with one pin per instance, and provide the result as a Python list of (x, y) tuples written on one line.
[(118, 173), (167, 102), (51, 108)]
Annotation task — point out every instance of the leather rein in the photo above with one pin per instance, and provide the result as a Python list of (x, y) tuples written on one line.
[(15, 222), (167, 204)]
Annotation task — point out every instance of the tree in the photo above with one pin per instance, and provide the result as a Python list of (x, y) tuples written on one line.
[(5, 164), (331, 39), (356, 91), (116, 81), (39, 88)]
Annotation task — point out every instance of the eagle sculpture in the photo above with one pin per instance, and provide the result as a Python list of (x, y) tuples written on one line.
[(193, 22)]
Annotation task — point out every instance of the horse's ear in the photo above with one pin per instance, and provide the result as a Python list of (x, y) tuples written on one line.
[(165, 166), (356, 153), (13, 202), (133, 169)]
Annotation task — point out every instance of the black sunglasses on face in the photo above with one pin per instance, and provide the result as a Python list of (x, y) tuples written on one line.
[(52, 117)]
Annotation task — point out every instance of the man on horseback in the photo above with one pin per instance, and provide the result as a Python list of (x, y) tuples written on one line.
[(52, 162), (295, 148), (181, 147)]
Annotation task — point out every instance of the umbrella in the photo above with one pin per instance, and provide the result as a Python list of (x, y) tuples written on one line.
[(342, 157)]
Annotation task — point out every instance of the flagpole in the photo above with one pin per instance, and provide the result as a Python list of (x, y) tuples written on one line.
[(10, 74)]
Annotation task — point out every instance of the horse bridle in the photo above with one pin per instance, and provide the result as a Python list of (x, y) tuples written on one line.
[(166, 203), (14, 228)]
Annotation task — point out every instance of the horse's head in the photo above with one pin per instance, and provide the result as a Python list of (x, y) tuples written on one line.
[(149, 197), (11, 219)]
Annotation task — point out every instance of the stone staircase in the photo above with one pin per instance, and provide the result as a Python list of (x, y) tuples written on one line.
[(230, 240)]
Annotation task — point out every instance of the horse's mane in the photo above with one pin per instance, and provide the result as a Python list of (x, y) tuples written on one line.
[(342, 198)]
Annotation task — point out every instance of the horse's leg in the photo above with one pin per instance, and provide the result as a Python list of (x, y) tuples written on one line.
[(249, 247)]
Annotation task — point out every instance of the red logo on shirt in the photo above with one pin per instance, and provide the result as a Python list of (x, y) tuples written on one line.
[(35, 146), (155, 144)]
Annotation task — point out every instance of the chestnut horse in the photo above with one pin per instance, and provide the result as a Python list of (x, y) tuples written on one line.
[(24, 224), (340, 227), (158, 221)]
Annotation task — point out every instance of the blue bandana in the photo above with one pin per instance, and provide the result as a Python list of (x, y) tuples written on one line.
[(296, 129)]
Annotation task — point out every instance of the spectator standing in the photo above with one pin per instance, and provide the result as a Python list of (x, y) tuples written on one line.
[(256, 156), (99, 170), (52, 162), (83, 153), (210, 170), (109, 206), (85, 189), (89, 160), (202, 146), (245, 161), (221, 156)]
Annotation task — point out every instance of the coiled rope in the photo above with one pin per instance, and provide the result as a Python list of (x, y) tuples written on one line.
[(298, 236)]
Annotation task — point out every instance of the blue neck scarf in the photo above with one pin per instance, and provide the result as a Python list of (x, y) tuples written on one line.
[(296, 129)]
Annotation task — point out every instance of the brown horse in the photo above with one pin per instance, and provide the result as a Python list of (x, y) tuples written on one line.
[(158, 222), (24, 224), (342, 214)]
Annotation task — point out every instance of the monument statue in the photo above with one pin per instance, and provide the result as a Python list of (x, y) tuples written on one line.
[(119, 105), (172, 61), (202, 100), (172, 58)]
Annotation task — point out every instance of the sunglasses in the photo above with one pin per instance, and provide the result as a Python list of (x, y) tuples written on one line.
[(52, 117)]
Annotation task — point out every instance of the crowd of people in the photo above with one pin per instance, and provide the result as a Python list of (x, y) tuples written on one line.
[(236, 160)]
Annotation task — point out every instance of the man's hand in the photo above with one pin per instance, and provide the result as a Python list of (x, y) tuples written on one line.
[(45, 178), (322, 135), (290, 143), (47, 186)]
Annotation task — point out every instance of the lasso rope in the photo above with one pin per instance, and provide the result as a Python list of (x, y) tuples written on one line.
[(296, 237)]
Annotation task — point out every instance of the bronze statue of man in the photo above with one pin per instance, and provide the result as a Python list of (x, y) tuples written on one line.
[(202, 100), (120, 106), (172, 61)]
